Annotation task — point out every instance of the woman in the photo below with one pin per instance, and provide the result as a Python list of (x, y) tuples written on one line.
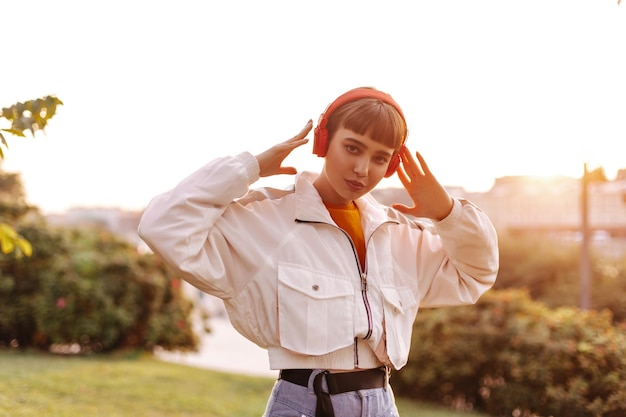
[(321, 275)]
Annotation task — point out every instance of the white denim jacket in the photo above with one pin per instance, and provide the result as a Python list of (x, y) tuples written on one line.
[(290, 278)]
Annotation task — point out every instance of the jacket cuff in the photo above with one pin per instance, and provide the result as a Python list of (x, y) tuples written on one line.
[(453, 218), (250, 164)]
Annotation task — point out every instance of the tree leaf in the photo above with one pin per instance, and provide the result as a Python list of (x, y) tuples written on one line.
[(25, 246), (4, 142), (6, 243), (15, 132), (9, 239)]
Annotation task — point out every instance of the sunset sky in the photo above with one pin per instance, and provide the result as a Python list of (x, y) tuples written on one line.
[(155, 89)]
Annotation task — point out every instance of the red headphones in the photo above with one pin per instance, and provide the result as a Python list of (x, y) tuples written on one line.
[(320, 134)]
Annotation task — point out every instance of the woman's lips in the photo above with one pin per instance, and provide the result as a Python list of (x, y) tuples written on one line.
[(355, 186)]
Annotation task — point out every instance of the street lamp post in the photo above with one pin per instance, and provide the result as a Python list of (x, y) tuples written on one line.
[(585, 268)]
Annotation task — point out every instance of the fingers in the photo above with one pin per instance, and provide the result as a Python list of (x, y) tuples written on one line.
[(402, 208), (285, 148), (298, 140), (271, 160), (408, 163), (293, 143), (403, 176), (412, 166), (422, 162), (287, 170), (305, 131)]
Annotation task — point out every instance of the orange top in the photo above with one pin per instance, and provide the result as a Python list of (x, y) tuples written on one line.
[(348, 218)]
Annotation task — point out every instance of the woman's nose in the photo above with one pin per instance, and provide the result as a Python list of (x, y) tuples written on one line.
[(361, 167)]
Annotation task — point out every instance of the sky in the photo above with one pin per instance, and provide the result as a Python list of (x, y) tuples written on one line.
[(153, 90)]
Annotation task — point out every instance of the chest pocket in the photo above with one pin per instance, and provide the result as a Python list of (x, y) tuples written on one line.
[(315, 310)]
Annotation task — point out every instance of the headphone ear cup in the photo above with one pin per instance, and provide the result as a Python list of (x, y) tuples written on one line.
[(393, 165), (320, 141)]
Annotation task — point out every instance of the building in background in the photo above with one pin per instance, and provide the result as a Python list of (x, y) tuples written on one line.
[(123, 223), (549, 205)]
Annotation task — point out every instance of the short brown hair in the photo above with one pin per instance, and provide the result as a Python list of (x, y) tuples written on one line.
[(370, 117)]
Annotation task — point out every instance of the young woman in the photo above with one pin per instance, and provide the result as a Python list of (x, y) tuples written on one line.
[(321, 275)]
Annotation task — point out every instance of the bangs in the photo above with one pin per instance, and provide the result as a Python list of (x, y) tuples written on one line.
[(370, 117)]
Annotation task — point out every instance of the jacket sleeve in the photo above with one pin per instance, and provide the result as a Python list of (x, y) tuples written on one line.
[(180, 225), (462, 257)]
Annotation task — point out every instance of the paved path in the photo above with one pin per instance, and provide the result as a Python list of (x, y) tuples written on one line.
[(224, 350)]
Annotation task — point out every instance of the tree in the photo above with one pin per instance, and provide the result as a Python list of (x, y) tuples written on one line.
[(32, 116)]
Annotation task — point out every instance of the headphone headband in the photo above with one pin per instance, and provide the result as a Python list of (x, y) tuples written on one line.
[(320, 134)]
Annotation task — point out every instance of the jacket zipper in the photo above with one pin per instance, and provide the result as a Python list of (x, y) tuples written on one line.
[(368, 308), (366, 302), (363, 278)]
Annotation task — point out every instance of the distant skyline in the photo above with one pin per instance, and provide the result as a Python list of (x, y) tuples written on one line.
[(155, 89)]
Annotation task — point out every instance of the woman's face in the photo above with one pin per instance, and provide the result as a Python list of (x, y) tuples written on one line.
[(354, 165)]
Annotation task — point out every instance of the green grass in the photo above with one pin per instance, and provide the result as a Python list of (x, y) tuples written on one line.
[(123, 385)]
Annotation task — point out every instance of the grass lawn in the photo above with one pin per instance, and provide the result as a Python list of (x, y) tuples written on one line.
[(131, 384)]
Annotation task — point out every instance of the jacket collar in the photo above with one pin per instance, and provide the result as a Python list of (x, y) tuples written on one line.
[(310, 207)]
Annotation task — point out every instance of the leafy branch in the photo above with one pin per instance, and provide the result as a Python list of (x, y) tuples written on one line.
[(32, 115), (29, 116)]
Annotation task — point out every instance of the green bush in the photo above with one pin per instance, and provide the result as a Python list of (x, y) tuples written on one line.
[(508, 355), (87, 290), (19, 285)]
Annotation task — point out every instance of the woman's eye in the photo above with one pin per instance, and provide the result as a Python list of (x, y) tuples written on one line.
[(352, 148), (381, 159)]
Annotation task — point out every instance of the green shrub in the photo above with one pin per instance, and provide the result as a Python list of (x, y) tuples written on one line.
[(19, 285), (508, 355), (90, 291)]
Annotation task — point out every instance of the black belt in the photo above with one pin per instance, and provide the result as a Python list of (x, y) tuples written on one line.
[(337, 383)]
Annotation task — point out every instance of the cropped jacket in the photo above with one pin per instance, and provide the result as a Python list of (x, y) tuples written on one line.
[(290, 278)]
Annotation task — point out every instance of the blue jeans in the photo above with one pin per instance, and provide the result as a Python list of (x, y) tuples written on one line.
[(292, 400)]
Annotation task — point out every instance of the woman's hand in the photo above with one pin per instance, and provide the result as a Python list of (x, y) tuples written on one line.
[(271, 160), (430, 199)]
